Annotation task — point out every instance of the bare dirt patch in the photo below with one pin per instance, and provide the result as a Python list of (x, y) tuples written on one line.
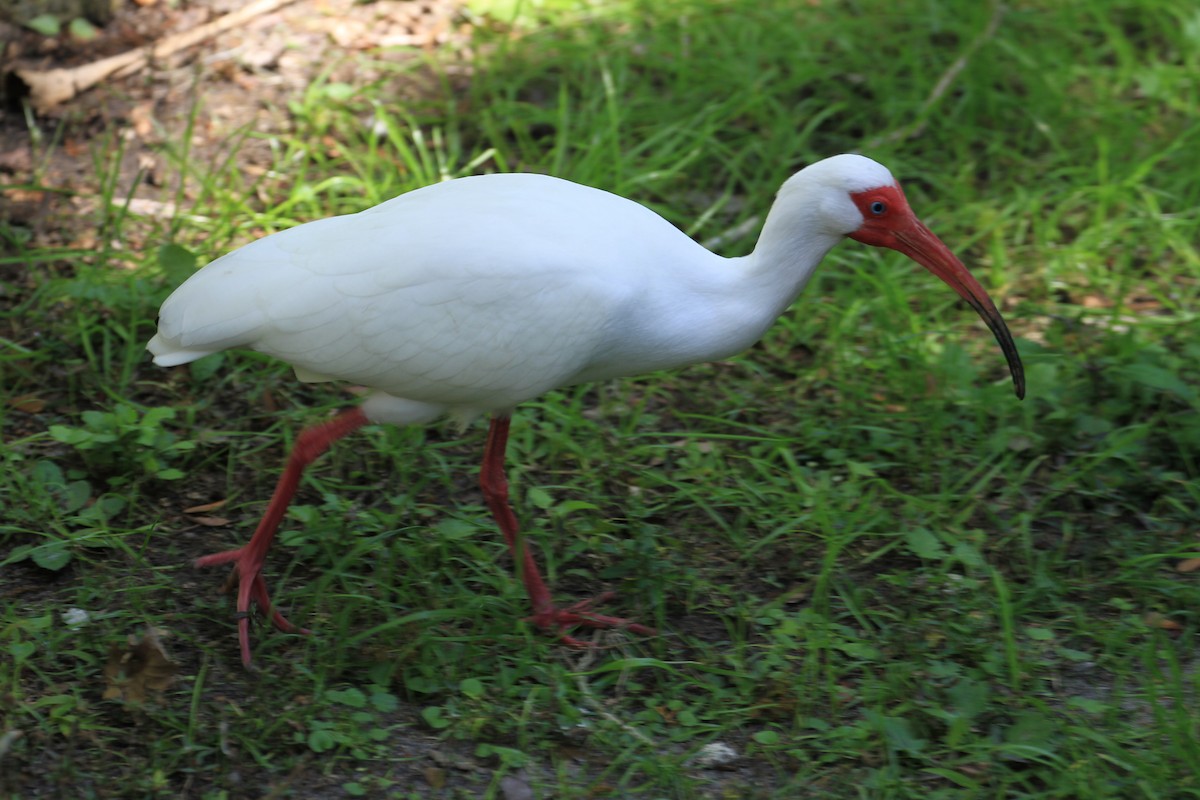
[(241, 79)]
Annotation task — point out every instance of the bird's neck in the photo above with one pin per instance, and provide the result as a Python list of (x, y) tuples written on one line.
[(789, 248)]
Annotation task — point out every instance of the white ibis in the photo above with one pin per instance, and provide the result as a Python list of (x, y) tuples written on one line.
[(474, 295)]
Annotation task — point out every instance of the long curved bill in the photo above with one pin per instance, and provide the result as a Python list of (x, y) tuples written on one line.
[(923, 246)]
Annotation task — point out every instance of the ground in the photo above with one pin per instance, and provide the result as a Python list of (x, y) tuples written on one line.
[(241, 79), (874, 572)]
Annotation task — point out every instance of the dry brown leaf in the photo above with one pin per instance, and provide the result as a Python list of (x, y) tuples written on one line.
[(19, 195), (29, 403), (568, 752), (138, 670), (1188, 565), (435, 777), (86, 240), (1157, 620), (333, 148), (204, 507), (142, 118), (211, 522)]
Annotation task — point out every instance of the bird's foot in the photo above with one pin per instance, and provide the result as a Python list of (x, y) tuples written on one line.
[(247, 574), (557, 620)]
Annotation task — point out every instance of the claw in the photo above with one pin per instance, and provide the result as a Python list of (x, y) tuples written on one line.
[(251, 587), (557, 620)]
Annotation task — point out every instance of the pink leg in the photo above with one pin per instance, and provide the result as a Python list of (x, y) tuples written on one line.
[(248, 560), (545, 615)]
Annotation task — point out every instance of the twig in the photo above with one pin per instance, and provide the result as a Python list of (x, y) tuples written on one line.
[(943, 84), (50, 87)]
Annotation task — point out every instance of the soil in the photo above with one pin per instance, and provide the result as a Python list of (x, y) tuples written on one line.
[(240, 79)]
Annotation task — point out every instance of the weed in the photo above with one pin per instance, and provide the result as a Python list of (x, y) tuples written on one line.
[(124, 445)]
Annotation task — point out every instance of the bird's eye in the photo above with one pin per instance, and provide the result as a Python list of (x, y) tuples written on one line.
[(878, 207)]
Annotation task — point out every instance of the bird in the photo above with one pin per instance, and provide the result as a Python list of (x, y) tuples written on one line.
[(470, 296)]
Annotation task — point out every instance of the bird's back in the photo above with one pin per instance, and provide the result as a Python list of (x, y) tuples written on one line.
[(478, 292)]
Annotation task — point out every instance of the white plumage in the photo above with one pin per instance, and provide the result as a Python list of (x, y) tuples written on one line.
[(479, 293), (474, 295)]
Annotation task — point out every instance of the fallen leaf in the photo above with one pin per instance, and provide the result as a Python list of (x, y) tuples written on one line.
[(1157, 620), (1144, 304), (204, 508), (211, 522), (139, 669), (19, 195), (568, 752), (332, 148), (1188, 565), (29, 403), (435, 777), (86, 240)]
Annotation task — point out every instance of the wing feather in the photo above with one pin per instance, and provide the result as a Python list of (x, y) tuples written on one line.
[(479, 292)]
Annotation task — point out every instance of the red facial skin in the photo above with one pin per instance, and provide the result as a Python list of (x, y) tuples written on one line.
[(889, 222)]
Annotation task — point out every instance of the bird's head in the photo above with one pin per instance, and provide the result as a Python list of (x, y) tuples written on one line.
[(867, 204)]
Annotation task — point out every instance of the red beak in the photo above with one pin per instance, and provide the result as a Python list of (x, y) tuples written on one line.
[(916, 241)]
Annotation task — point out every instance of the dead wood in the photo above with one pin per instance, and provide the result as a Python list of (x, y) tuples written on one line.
[(48, 88)]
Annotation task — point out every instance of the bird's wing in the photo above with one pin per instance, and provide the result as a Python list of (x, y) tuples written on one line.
[(483, 291), (233, 300)]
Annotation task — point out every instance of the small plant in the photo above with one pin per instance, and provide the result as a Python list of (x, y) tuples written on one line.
[(352, 724), (124, 444), (59, 510), (466, 712), (50, 25)]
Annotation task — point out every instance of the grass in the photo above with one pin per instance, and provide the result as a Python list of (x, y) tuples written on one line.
[(876, 573)]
